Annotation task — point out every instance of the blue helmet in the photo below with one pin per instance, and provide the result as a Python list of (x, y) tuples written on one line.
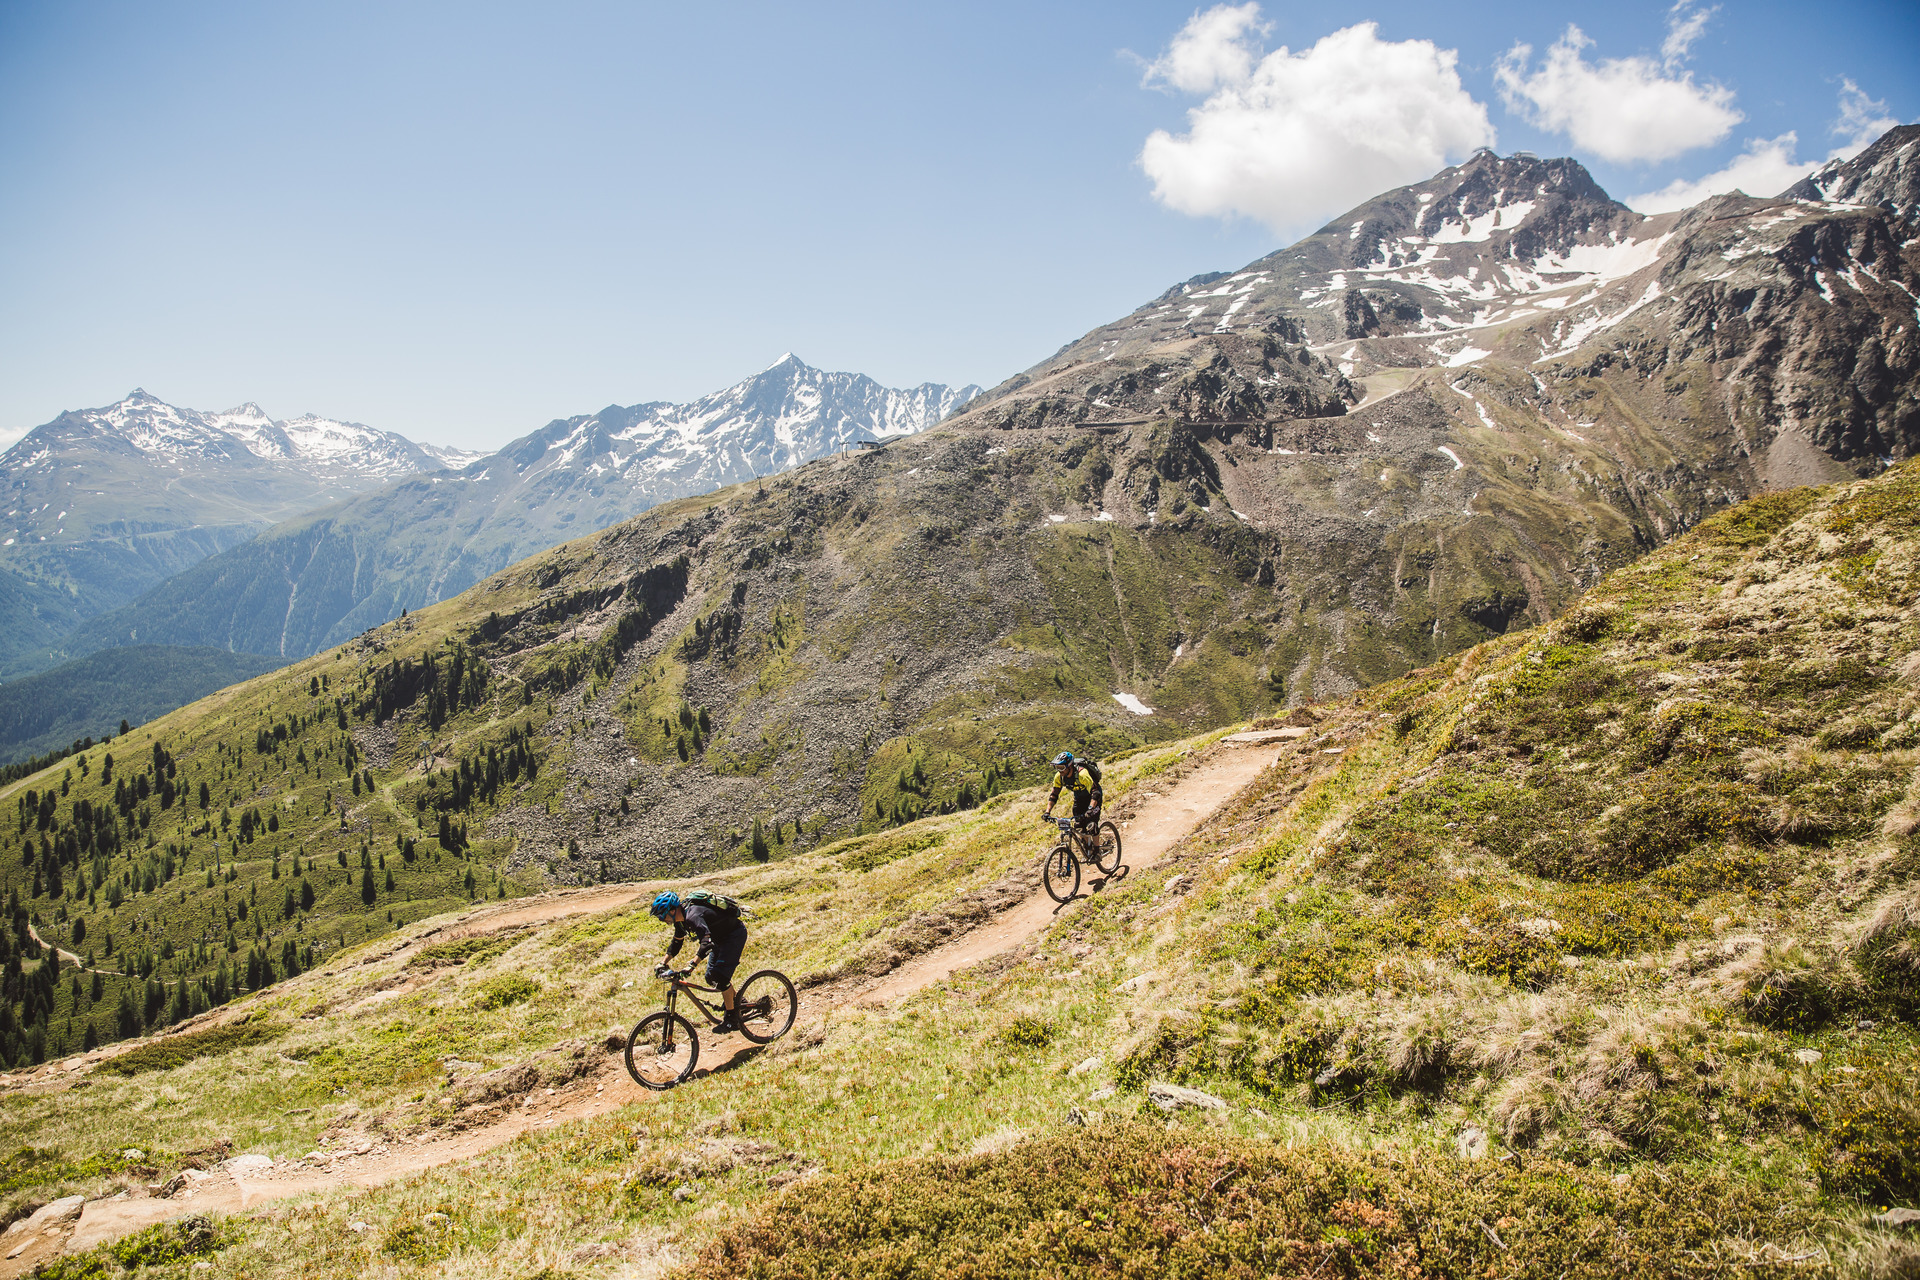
[(1064, 758), (664, 905)]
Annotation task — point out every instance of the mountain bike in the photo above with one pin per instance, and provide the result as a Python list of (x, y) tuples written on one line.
[(664, 1048), (1098, 847)]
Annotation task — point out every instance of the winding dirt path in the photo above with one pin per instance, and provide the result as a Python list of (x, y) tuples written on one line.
[(1162, 816)]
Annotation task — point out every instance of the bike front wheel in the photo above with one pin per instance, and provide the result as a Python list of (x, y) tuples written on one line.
[(766, 1004), (1061, 874), (1107, 858), (662, 1050)]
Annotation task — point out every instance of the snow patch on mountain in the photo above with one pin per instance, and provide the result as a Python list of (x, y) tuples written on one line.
[(169, 433), (783, 416)]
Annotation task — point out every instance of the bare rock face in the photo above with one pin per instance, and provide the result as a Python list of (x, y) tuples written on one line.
[(1173, 1097), (1886, 174), (1754, 319)]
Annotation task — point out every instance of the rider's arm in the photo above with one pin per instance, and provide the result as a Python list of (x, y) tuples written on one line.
[(697, 925), (1054, 797), (679, 936)]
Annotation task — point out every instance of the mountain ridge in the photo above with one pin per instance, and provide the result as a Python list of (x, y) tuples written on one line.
[(331, 573), (103, 504)]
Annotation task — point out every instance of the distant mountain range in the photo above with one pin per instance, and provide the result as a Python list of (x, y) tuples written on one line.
[(101, 505), (1438, 418), (329, 573)]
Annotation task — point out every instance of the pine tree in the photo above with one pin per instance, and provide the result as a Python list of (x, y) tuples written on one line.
[(759, 842), (366, 885)]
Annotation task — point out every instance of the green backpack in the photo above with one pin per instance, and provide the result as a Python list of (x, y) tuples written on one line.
[(716, 901)]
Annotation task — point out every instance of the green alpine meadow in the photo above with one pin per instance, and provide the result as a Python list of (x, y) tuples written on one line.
[(1587, 950)]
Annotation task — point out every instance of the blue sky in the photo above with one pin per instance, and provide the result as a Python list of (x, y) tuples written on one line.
[(459, 221)]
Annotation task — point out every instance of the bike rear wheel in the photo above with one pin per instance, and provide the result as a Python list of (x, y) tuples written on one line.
[(662, 1050), (1061, 873), (766, 1004), (1108, 856)]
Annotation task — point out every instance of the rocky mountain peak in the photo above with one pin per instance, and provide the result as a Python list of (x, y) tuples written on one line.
[(1886, 174)]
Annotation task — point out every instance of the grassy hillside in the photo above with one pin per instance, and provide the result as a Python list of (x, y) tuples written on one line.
[(91, 697), (1590, 951), (729, 678)]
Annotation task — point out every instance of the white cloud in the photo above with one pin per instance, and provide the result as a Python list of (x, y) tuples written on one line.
[(1767, 166), (1685, 24), (1290, 138), (1621, 109), (1211, 50), (1862, 120)]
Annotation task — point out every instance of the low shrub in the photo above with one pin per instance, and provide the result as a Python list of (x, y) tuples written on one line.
[(431, 1238), (462, 951), (1870, 1140), (506, 989), (1130, 1200), (1756, 520), (157, 1246), (1792, 989), (875, 853), (169, 1052), (1027, 1032)]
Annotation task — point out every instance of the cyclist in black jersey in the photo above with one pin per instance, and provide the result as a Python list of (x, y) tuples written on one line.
[(722, 940)]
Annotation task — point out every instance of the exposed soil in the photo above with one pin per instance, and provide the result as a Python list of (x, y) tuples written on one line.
[(1161, 816), (1154, 818)]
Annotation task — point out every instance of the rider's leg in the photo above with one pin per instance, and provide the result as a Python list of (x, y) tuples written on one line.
[(720, 967)]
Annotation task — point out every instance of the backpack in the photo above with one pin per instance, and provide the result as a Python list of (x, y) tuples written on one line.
[(1091, 768), (716, 902)]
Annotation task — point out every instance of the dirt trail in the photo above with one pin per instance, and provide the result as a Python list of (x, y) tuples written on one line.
[(1162, 815), (67, 955), (1160, 819)]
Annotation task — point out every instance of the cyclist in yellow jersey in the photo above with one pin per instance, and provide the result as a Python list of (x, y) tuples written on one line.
[(1081, 778)]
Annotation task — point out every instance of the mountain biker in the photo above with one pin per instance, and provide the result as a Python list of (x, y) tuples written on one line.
[(1082, 779), (722, 939)]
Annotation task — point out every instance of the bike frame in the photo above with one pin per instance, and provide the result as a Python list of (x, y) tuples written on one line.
[(681, 984), (1083, 842)]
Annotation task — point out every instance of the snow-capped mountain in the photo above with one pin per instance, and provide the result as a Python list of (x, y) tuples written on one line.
[(100, 505), (167, 433), (787, 414), (1886, 174), (315, 580), (1793, 316)]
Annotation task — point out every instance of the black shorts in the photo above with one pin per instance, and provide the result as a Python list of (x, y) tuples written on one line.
[(1082, 802), (724, 959)]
